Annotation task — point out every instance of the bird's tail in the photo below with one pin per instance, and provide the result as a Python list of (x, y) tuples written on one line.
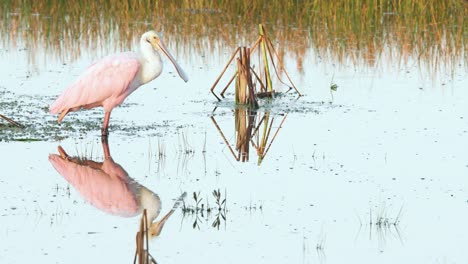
[(54, 108)]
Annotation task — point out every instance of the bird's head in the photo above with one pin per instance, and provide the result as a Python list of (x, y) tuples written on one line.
[(157, 44)]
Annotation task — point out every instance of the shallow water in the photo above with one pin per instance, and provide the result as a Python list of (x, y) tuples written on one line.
[(374, 172)]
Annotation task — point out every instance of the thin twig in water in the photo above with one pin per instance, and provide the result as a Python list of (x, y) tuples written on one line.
[(11, 121)]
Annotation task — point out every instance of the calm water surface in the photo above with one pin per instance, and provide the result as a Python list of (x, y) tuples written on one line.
[(375, 172)]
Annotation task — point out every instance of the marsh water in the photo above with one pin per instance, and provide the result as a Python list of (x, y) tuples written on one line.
[(370, 165)]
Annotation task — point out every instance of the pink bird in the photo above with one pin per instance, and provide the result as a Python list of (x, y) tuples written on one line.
[(110, 80), (108, 187)]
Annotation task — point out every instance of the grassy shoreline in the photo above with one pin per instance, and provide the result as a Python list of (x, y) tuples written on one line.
[(433, 33)]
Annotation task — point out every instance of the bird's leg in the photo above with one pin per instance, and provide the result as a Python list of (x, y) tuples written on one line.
[(76, 160), (105, 125), (62, 152), (105, 147), (63, 114)]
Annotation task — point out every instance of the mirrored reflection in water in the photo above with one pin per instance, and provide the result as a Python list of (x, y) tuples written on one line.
[(200, 211), (107, 186), (256, 129)]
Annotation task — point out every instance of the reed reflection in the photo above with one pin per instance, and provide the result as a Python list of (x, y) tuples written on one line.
[(252, 129), (107, 186)]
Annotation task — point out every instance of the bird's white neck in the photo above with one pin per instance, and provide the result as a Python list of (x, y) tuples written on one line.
[(150, 201), (151, 63)]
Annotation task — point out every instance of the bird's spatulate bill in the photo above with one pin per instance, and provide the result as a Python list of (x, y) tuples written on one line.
[(178, 68)]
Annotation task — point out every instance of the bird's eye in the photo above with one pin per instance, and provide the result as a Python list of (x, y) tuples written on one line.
[(147, 40), (154, 37)]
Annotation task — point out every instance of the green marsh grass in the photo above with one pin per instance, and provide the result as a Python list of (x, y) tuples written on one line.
[(367, 33)]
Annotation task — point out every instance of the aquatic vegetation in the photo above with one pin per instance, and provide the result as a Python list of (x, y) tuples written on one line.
[(333, 87), (365, 33), (160, 156), (320, 245), (384, 223), (199, 209), (184, 147), (246, 91), (382, 219), (43, 127), (331, 159)]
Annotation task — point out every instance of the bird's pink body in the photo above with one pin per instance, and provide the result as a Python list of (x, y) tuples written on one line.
[(108, 188), (106, 185), (110, 80), (105, 83)]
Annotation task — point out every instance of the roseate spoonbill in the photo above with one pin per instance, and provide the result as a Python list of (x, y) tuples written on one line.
[(110, 80), (107, 186)]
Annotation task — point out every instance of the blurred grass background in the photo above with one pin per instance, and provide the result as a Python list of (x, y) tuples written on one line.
[(365, 33)]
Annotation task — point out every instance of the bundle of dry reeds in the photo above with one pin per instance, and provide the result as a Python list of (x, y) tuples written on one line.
[(247, 77)]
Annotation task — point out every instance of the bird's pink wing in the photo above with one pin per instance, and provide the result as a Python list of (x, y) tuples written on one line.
[(104, 80), (108, 192)]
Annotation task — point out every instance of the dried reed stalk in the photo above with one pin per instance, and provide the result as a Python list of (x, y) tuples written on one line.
[(245, 90), (264, 39)]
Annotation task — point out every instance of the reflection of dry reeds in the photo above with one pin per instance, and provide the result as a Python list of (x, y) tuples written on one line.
[(142, 246), (431, 33), (248, 123), (261, 150), (244, 122)]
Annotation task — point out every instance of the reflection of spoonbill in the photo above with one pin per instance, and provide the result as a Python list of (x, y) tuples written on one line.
[(107, 186), (110, 80)]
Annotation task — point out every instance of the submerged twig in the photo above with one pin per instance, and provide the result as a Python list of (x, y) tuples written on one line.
[(11, 121)]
